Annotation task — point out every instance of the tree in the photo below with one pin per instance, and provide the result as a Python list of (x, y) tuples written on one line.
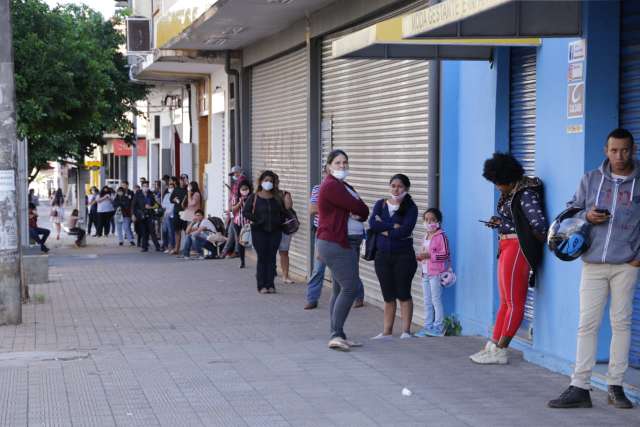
[(72, 81)]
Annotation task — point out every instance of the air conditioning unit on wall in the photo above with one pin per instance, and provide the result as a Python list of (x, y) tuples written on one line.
[(138, 35)]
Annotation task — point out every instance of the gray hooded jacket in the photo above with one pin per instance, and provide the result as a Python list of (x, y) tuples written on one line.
[(616, 241)]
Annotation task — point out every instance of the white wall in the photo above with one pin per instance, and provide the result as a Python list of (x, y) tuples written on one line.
[(218, 169)]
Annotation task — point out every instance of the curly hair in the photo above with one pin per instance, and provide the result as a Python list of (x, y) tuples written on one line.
[(502, 169)]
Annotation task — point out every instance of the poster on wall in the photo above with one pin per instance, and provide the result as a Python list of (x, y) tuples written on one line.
[(575, 101), (8, 214)]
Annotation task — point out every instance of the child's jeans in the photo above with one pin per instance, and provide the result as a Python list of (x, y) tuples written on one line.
[(433, 309)]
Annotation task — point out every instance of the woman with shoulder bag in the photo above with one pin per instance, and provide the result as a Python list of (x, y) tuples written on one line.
[(57, 211), (265, 210), (336, 204), (393, 221), (285, 243)]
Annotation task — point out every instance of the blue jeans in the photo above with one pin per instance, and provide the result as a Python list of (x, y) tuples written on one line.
[(314, 286), (168, 233), (433, 309), (123, 228), (190, 240)]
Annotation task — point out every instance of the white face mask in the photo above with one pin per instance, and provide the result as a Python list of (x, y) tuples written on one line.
[(340, 174), (399, 196), (432, 226), (267, 185)]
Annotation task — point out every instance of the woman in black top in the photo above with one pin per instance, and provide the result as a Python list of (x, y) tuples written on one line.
[(265, 210)]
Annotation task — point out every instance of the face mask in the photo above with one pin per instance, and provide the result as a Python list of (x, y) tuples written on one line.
[(399, 196), (267, 185), (120, 193), (340, 174), (433, 226), (234, 178), (244, 193), (171, 189)]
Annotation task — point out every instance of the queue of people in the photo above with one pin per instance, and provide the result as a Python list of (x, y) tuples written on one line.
[(605, 203)]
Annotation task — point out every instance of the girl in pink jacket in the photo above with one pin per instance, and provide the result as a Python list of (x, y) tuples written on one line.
[(435, 260)]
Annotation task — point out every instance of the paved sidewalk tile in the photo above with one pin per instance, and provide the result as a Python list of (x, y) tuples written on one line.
[(151, 340)]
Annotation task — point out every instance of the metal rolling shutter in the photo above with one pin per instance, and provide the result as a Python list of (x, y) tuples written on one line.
[(522, 136), (630, 119), (279, 137), (378, 112)]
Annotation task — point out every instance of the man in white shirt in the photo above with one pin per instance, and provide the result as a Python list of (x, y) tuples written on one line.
[(196, 234)]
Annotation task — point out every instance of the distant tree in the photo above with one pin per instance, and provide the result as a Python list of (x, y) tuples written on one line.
[(72, 81)]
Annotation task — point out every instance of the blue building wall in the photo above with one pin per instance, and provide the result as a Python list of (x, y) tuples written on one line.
[(468, 95), (474, 124)]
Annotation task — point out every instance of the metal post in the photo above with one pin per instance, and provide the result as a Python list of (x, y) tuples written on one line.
[(134, 152), (10, 269)]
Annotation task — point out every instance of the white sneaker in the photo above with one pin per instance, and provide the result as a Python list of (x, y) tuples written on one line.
[(406, 335), (495, 356), (354, 343), (488, 346), (382, 336), (339, 344)]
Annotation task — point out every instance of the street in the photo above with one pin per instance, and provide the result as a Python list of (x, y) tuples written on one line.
[(118, 337)]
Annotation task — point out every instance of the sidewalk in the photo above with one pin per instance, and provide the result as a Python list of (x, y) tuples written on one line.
[(126, 338)]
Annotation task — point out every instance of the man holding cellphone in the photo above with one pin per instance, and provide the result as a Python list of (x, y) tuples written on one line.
[(609, 198)]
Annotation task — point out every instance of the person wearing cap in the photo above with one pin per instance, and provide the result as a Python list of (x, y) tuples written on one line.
[(237, 179)]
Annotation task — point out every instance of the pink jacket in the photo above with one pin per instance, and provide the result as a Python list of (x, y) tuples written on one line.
[(439, 256)]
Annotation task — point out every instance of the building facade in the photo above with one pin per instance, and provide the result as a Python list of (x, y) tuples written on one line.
[(431, 93)]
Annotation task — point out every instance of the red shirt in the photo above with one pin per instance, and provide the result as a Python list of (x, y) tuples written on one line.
[(335, 204)]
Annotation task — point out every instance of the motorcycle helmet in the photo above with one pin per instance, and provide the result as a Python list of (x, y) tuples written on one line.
[(569, 236)]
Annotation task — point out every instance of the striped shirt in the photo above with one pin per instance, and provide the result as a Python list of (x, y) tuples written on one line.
[(314, 201)]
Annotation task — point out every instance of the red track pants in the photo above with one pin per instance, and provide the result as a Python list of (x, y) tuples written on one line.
[(513, 280)]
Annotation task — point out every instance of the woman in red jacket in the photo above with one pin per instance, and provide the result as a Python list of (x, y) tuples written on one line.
[(337, 202)]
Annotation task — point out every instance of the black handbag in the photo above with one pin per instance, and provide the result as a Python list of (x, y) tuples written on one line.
[(370, 246), (291, 223)]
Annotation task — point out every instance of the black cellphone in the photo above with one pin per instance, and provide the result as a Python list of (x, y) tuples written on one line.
[(603, 211), (487, 222)]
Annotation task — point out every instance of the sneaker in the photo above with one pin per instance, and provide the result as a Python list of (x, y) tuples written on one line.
[(353, 343), (167, 251), (478, 355), (44, 249), (263, 291), (359, 303), (495, 356), (382, 336), (406, 336), (311, 305), (422, 333), (435, 333), (572, 397), (339, 344), (617, 398), (132, 243)]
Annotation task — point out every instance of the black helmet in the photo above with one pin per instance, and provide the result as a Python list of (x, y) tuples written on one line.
[(568, 236)]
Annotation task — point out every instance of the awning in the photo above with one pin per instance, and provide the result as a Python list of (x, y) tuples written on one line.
[(495, 18), (384, 41)]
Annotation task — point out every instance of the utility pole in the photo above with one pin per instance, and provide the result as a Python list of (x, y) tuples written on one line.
[(10, 271)]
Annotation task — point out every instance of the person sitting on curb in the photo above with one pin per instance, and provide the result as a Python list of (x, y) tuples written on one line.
[(196, 235), (39, 235), (609, 198), (74, 230)]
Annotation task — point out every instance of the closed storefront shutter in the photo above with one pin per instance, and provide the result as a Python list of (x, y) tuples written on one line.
[(279, 137), (378, 111), (522, 136), (630, 119)]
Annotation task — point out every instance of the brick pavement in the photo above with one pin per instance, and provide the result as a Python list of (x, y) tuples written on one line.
[(124, 338)]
